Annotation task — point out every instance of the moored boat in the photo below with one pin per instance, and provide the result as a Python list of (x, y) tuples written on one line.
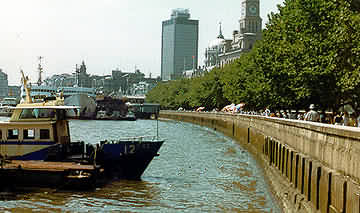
[(36, 142), (129, 157), (5, 106), (81, 97)]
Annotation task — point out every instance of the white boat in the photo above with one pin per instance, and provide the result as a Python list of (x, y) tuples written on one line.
[(86, 106), (5, 106), (82, 98)]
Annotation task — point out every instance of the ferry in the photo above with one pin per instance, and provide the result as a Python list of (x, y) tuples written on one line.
[(5, 106), (41, 91), (82, 97), (36, 142)]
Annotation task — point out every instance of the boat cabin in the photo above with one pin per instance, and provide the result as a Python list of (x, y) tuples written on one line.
[(33, 129)]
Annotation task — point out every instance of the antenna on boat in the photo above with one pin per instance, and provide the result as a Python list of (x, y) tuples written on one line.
[(39, 82)]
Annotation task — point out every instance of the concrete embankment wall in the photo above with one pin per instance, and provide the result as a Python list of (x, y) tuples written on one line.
[(311, 167)]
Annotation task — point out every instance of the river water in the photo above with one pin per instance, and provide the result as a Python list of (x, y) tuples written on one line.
[(198, 170)]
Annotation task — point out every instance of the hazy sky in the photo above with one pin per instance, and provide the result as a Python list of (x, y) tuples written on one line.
[(106, 34)]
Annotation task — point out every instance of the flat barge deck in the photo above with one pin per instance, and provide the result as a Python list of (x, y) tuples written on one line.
[(46, 166), (40, 173)]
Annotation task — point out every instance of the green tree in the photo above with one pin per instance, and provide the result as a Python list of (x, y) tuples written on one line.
[(243, 82), (207, 91), (308, 53)]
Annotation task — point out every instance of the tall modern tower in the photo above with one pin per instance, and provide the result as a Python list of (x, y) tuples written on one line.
[(179, 51), (4, 87)]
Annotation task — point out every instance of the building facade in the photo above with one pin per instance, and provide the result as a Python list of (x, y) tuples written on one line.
[(179, 51), (215, 48), (223, 51), (4, 84), (82, 78), (250, 25)]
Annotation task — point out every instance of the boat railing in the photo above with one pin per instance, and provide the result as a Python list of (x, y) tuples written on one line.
[(148, 138)]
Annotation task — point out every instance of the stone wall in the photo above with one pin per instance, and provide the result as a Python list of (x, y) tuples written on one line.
[(311, 167)]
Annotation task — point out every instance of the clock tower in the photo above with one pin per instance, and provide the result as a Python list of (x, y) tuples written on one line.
[(250, 21), (250, 24), (244, 38)]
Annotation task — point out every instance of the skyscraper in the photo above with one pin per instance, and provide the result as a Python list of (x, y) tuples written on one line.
[(4, 87), (179, 51)]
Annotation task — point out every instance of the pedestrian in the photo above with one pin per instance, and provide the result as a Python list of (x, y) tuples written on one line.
[(267, 112), (322, 117), (312, 115), (346, 119), (300, 116), (338, 119), (358, 119)]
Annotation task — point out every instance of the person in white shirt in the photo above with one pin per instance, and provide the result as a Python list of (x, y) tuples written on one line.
[(312, 115)]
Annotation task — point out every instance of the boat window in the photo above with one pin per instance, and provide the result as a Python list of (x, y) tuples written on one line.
[(37, 113), (13, 134), (45, 113), (29, 134), (44, 134), (27, 113)]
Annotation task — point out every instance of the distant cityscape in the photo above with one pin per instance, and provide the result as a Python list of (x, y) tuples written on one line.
[(119, 83), (179, 57)]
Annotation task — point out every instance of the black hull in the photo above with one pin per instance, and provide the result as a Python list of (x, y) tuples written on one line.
[(128, 159), (130, 167), (19, 178), (120, 160)]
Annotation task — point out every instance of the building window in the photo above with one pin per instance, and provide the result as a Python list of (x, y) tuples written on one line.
[(44, 134)]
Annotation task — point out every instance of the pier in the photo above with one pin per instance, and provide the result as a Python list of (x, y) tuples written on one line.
[(311, 167)]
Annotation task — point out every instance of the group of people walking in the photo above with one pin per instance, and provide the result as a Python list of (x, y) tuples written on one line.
[(342, 118)]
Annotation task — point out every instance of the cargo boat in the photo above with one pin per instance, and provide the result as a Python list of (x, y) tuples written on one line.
[(35, 149)]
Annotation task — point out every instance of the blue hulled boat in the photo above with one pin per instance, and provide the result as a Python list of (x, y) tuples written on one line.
[(38, 133)]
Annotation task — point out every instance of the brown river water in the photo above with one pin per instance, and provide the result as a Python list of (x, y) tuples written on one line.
[(198, 170)]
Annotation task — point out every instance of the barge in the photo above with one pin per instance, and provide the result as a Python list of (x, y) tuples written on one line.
[(35, 149)]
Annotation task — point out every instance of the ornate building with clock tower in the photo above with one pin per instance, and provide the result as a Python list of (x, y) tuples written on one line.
[(250, 30)]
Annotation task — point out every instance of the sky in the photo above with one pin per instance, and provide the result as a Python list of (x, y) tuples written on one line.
[(106, 34)]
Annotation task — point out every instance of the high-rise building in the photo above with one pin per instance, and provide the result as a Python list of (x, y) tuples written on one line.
[(179, 51), (4, 87)]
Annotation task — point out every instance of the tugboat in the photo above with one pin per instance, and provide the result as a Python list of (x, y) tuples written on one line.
[(35, 148)]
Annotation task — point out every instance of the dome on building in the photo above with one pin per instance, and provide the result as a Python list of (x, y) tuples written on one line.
[(217, 43)]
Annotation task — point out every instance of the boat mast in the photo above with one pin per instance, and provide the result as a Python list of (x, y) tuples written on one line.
[(40, 69), (27, 87)]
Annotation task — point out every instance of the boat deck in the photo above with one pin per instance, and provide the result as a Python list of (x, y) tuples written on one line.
[(46, 166)]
